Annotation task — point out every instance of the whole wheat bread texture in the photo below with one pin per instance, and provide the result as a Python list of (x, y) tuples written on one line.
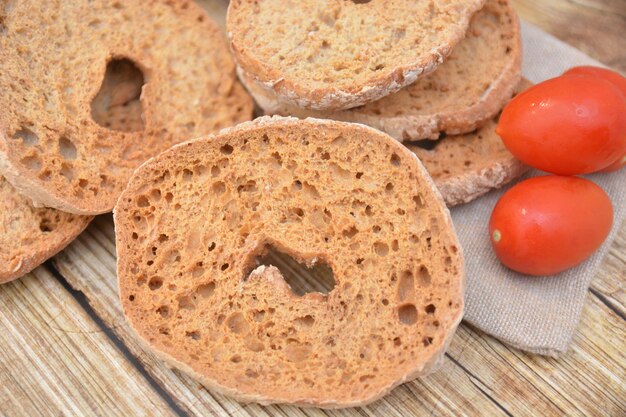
[(467, 90), (338, 54), (464, 167), (192, 221), (91, 89), (29, 235)]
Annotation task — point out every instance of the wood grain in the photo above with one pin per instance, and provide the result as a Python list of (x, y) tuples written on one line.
[(480, 376), (597, 27), (55, 360)]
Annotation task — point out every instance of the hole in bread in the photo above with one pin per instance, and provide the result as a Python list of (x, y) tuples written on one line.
[(381, 248), (301, 278), (406, 286), (117, 105), (305, 322), (237, 323), (424, 276), (426, 144), (407, 314), (194, 335), (28, 137), (350, 232), (155, 283), (67, 149), (163, 311), (186, 303), (430, 309), (254, 344), (32, 163), (361, 1), (395, 160), (206, 290), (226, 149), (46, 225), (296, 351), (142, 201)]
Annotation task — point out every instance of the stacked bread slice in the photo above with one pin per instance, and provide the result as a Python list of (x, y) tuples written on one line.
[(89, 90), (461, 96), (193, 222)]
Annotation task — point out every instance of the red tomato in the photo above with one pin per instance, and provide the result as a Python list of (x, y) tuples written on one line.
[(545, 225), (606, 74), (567, 125)]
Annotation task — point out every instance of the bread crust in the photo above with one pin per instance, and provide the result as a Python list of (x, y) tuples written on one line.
[(340, 96), (427, 123), (473, 184), (129, 294), (61, 147), (28, 235)]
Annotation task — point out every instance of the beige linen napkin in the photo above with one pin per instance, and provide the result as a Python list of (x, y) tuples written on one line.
[(534, 314)]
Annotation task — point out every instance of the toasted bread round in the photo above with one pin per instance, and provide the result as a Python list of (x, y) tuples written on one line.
[(29, 235), (70, 69), (467, 90), (467, 166), (338, 54), (194, 219)]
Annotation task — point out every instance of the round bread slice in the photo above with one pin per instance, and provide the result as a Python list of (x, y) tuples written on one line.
[(467, 90), (464, 167), (92, 88), (29, 235), (194, 219), (338, 54)]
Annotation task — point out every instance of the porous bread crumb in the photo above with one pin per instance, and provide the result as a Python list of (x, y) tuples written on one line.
[(161, 68), (29, 235), (193, 220), (339, 54), (467, 90)]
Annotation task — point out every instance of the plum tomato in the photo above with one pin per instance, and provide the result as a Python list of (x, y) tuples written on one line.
[(545, 225), (567, 125)]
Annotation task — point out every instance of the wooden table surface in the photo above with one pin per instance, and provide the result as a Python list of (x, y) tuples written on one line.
[(66, 350)]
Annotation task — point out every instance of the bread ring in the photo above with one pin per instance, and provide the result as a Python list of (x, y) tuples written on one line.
[(338, 54), (99, 86), (192, 221)]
